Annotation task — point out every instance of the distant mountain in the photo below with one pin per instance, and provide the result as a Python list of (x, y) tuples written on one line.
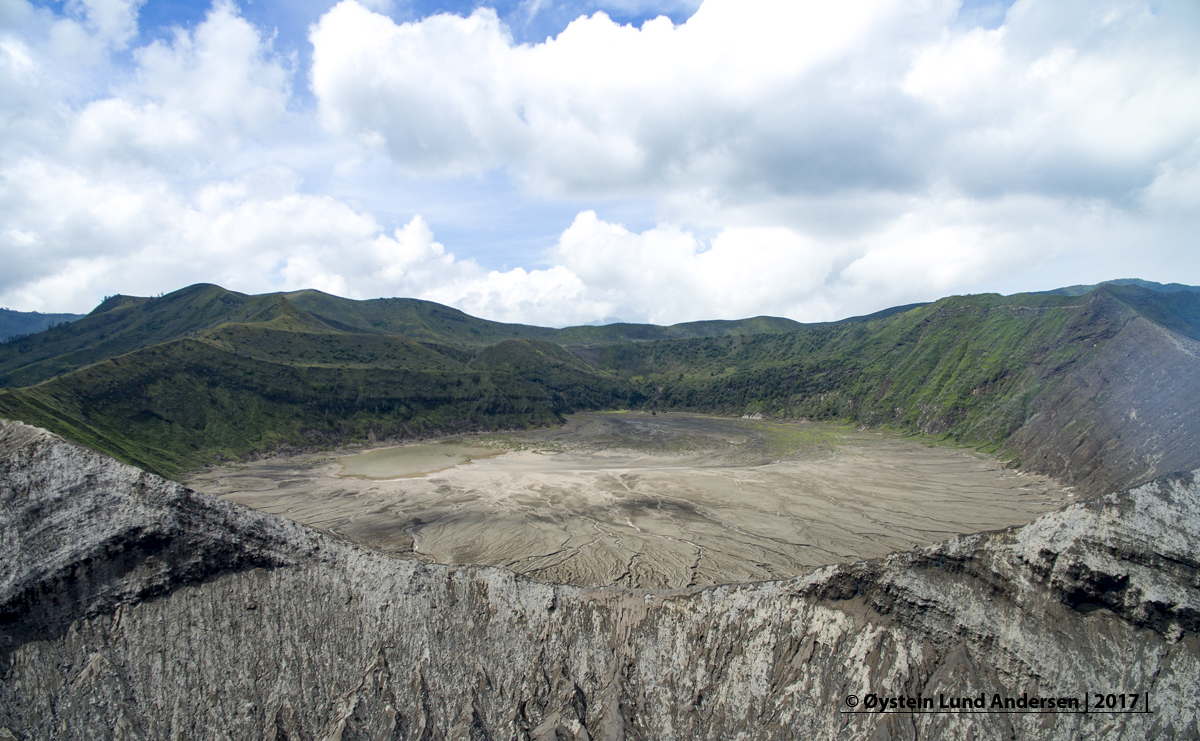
[(172, 381), (123, 324), (1160, 287), (1095, 388), (17, 323)]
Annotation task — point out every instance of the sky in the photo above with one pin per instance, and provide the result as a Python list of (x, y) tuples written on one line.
[(588, 161)]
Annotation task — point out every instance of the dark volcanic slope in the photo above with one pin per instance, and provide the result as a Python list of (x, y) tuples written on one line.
[(17, 323), (131, 607)]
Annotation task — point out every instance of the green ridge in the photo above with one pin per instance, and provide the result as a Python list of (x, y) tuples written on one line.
[(202, 374)]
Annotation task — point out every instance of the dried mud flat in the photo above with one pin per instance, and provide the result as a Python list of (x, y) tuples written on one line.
[(646, 501)]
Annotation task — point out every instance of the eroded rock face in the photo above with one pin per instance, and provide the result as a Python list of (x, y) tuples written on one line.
[(131, 607), (1118, 418)]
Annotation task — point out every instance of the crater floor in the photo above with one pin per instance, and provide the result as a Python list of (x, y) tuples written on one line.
[(650, 501)]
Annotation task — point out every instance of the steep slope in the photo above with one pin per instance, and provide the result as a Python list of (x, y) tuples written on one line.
[(124, 324), (181, 404), (1080, 387), (172, 382), (1125, 415), (1089, 388), (131, 607)]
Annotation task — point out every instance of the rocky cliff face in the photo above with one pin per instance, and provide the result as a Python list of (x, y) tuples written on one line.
[(131, 607), (1115, 419)]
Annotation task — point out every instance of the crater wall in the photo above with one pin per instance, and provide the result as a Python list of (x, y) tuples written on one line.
[(132, 607)]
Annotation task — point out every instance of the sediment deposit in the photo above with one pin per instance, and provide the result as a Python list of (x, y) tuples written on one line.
[(132, 607), (662, 501)]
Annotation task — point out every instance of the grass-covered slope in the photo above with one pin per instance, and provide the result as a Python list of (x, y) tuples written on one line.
[(931, 368), (1080, 290), (175, 381), (1098, 388), (180, 404), (426, 321), (124, 324)]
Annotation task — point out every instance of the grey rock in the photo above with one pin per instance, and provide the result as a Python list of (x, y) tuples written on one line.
[(134, 608)]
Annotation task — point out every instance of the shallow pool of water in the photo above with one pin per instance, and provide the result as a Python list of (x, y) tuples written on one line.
[(411, 460)]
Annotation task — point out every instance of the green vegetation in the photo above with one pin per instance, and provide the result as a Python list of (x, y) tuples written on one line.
[(966, 366), (785, 441), (1081, 290), (177, 405), (124, 324), (174, 382)]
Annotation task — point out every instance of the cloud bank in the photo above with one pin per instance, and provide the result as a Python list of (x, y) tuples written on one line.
[(804, 159)]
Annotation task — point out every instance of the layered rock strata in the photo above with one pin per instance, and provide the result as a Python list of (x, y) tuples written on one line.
[(132, 607)]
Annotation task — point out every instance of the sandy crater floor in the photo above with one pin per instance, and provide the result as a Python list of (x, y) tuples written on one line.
[(647, 501)]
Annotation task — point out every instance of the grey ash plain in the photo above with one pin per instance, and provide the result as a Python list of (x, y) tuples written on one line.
[(651, 501)]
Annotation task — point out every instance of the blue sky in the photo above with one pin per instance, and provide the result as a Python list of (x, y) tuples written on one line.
[(528, 21), (486, 218), (570, 162)]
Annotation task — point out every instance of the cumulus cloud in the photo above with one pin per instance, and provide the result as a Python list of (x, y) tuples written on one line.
[(224, 70), (113, 21), (903, 154), (600, 106), (197, 95), (750, 96), (811, 160), (666, 275), (248, 236)]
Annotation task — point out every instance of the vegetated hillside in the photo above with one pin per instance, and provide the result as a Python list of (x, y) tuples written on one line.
[(203, 373), (1079, 290), (426, 321), (19, 323), (183, 403), (124, 324), (1096, 388)]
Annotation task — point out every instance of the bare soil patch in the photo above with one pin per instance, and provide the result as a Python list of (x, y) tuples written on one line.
[(407, 461), (653, 501)]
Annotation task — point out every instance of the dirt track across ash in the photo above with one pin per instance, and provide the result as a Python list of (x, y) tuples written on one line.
[(648, 501)]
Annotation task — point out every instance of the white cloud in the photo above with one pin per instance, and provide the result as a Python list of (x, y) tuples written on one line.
[(600, 106), (253, 235), (812, 160), (665, 275), (114, 21), (787, 97), (205, 91), (1176, 186), (223, 71)]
